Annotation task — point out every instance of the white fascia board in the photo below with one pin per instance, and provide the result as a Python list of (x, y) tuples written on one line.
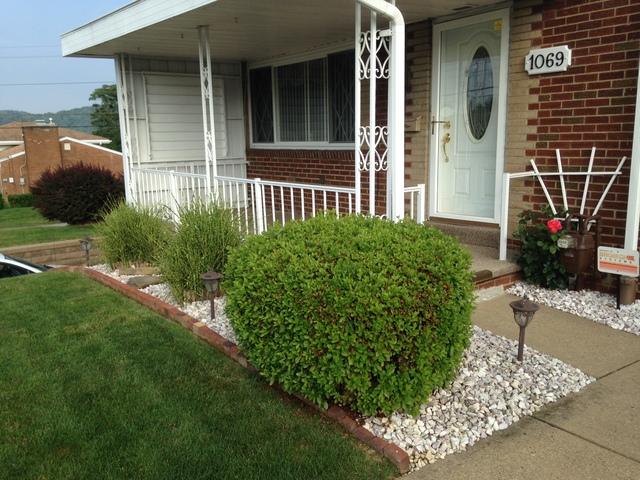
[(11, 157), (11, 142), (92, 145), (130, 18)]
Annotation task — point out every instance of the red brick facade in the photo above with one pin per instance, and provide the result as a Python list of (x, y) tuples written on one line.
[(592, 104)]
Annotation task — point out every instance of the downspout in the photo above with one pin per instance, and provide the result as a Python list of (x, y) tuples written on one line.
[(21, 172), (633, 205), (396, 101)]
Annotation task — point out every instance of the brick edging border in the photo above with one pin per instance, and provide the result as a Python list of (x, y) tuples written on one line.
[(342, 416)]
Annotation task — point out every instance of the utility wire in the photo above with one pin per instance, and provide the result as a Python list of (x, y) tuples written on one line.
[(108, 82)]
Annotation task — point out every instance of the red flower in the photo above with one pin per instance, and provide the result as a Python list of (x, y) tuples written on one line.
[(554, 226)]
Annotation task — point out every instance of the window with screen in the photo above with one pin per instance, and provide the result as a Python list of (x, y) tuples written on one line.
[(308, 102)]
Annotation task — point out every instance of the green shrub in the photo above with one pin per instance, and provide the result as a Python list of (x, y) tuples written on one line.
[(202, 241), (539, 255), (20, 200), (353, 310), (76, 194), (1, 201), (133, 235)]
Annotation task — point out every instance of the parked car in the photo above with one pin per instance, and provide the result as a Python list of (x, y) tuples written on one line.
[(13, 267)]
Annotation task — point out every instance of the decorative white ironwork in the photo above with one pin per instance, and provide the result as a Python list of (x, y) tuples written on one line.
[(381, 58), (380, 55), (363, 150), (380, 148), (206, 88), (560, 174)]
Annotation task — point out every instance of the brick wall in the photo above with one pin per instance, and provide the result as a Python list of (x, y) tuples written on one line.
[(42, 151), (418, 102), (78, 153), (592, 104), (526, 18)]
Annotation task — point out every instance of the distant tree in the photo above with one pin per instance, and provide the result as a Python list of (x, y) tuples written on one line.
[(104, 117)]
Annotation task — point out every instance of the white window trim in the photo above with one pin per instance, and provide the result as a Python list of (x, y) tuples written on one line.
[(289, 60)]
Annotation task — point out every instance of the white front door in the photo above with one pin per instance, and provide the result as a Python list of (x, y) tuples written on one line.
[(470, 58)]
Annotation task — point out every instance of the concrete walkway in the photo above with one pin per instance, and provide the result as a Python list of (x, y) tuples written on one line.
[(592, 435)]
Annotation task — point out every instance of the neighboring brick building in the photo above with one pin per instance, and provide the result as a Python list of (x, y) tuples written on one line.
[(42, 147)]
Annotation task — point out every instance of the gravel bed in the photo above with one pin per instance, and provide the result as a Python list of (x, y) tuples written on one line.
[(492, 391), (199, 310), (596, 306), (106, 270)]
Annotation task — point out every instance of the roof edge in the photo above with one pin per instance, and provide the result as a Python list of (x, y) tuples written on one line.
[(123, 21)]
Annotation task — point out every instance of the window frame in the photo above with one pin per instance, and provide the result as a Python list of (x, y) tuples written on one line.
[(298, 145)]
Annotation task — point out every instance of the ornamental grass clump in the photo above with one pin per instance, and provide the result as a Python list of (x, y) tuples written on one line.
[(202, 241), (539, 256), (358, 311), (133, 235)]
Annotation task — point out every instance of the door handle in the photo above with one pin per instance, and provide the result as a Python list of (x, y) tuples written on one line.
[(447, 124), (446, 139)]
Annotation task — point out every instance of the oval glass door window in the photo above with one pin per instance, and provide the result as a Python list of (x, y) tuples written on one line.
[(479, 93)]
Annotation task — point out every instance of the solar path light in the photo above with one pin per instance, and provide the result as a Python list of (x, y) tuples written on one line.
[(211, 282), (85, 246), (523, 312)]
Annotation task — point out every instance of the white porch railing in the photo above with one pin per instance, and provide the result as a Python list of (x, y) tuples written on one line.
[(415, 197), (258, 203)]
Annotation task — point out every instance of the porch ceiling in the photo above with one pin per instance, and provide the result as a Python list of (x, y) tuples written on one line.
[(248, 30)]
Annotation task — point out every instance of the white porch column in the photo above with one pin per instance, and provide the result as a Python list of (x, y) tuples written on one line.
[(633, 205), (125, 127), (396, 107), (206, 88)]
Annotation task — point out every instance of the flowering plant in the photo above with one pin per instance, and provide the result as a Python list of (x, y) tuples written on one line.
[(539, 257)]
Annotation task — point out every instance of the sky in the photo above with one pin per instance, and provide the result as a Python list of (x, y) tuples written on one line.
[(30, 52)]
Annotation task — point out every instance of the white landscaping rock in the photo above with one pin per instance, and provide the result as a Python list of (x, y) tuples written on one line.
[(492, 391), (596, 306)]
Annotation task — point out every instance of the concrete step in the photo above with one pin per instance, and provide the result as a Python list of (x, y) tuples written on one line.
[(470, 234)]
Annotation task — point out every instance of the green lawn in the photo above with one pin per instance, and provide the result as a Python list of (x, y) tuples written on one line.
[(93, 385), (24, 226)]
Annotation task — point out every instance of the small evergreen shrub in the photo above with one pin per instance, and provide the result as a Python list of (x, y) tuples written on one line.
[(76, 194), (201, 243), (354, 310), (20, 200), (133, 235), (1, 202), (539, 256)]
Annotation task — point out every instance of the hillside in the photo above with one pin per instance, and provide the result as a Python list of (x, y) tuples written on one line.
[(75, 118)]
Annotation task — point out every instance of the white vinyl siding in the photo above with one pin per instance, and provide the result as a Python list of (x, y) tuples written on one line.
[(175, 117)]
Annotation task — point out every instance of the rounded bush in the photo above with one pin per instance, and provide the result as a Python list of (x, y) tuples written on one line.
[(133, 234), (76, 194), (201, 243), (354, 310)]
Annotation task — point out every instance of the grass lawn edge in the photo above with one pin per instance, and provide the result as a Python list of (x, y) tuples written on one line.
[(340, 415)]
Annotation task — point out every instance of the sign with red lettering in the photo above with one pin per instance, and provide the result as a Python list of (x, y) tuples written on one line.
[(618, 261)]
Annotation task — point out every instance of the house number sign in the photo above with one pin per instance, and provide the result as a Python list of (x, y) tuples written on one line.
[(548, 60)]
